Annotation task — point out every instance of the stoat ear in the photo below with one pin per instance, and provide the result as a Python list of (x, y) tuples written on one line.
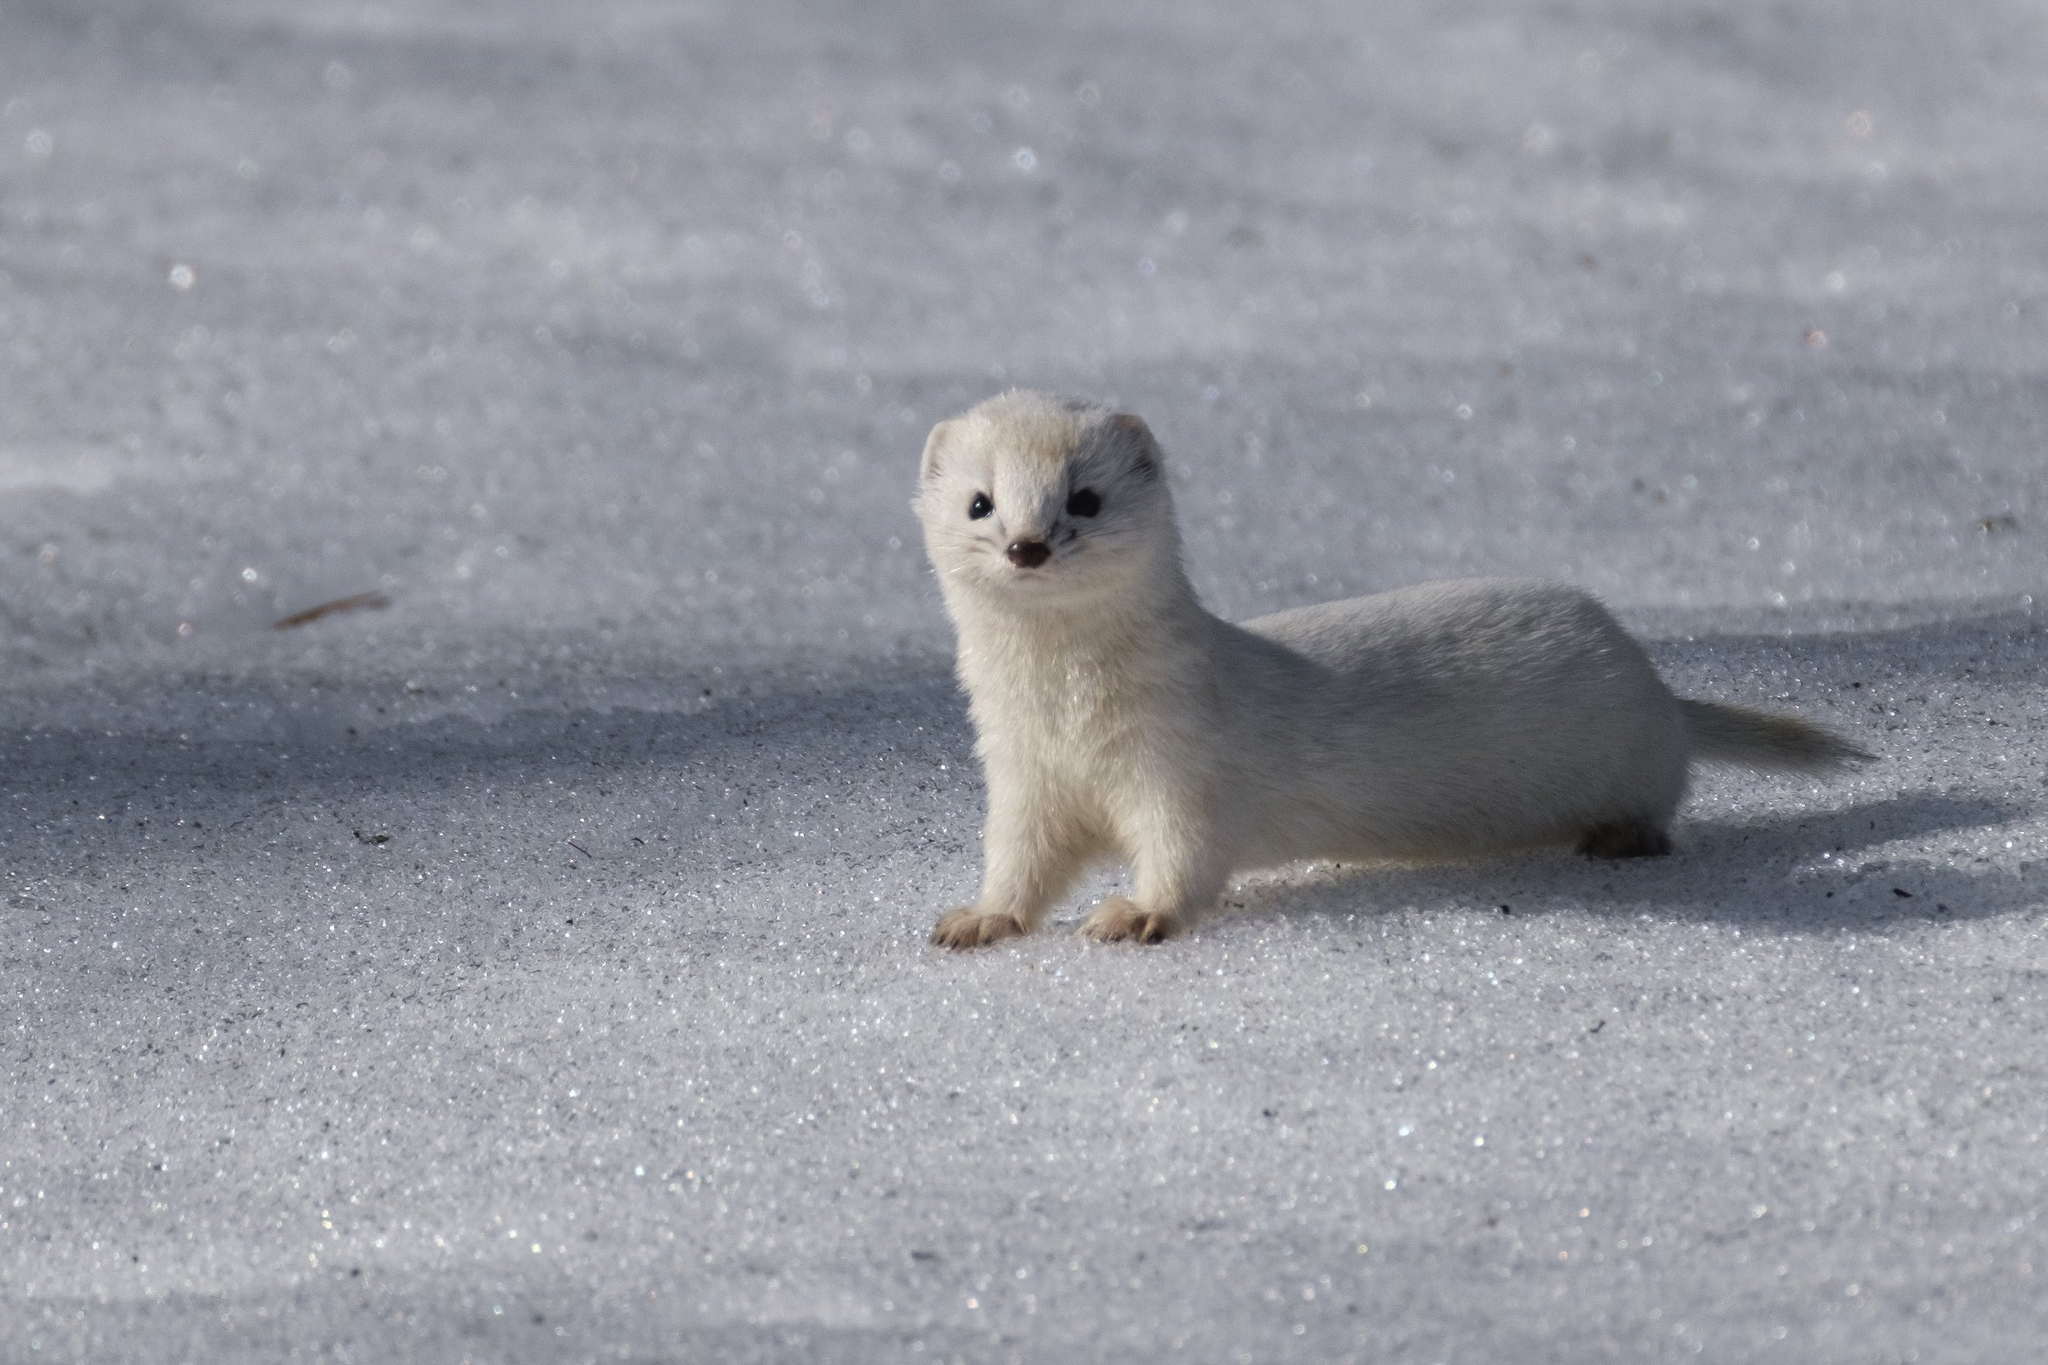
[(1132, 433), (934, 447)]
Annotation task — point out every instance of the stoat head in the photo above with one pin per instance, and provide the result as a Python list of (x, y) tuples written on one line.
[(1040, 501)]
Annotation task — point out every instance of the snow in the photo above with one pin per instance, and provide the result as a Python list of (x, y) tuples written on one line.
[(533, 968)]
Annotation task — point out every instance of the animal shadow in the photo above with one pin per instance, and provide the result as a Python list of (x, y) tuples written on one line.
[(1793, 874)]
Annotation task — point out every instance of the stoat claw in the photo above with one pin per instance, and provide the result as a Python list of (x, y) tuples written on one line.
[(1118, 919), (972, 928)]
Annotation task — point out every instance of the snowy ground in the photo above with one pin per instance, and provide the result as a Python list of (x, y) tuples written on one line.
[(534, 969)]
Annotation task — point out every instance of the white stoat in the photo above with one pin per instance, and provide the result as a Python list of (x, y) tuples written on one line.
[(1118, 718)]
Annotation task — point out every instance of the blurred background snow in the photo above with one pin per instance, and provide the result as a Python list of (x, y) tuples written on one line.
[(632, 317)]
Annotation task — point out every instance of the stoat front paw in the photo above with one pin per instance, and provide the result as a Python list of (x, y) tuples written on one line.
[(1118, 919), (971, 927)]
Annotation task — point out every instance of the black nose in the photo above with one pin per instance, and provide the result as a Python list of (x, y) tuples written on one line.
[(1029, 554)]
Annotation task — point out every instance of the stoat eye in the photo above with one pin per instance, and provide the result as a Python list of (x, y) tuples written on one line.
[(1084, 503), (980, 507)]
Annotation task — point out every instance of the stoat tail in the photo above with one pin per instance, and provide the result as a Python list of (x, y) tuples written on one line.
[(1764, 740)]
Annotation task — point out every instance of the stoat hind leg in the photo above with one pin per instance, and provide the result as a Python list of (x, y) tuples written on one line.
[(1625, 839)]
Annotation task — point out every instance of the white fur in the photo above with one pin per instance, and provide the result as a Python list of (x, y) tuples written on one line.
[(1117, 718)]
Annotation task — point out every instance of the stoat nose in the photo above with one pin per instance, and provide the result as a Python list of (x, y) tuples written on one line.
[(1029, 554)]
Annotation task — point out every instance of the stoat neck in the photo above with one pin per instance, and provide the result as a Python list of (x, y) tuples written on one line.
[(1004, 643)]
